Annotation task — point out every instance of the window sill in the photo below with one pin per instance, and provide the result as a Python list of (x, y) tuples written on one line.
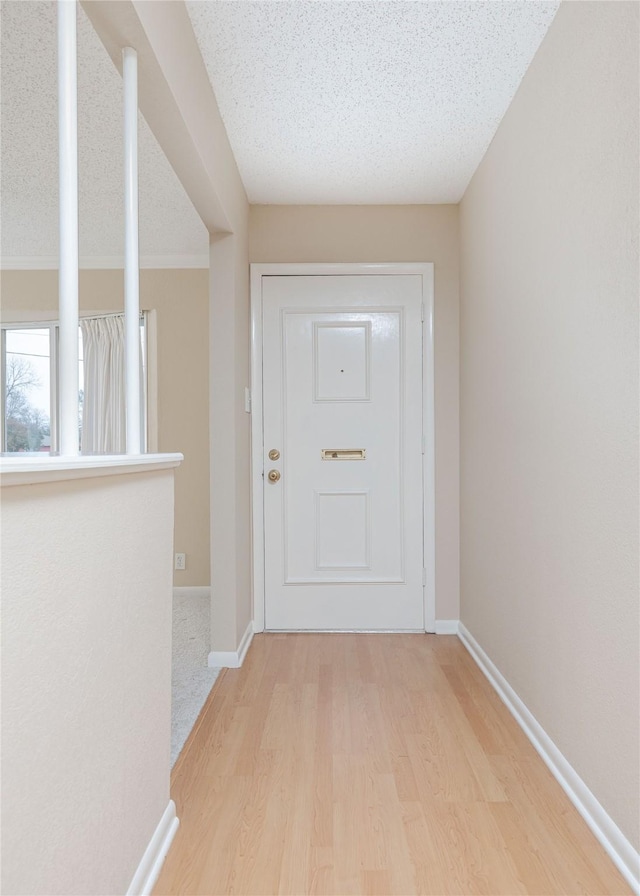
[(34, 469)]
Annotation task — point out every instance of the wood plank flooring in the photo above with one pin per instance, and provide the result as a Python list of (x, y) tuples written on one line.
[(370, 764)]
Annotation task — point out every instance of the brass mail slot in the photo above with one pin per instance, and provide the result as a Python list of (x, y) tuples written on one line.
[(344, 453)]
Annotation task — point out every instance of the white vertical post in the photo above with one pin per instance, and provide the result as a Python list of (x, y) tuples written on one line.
[(131, 257), (68, 202)]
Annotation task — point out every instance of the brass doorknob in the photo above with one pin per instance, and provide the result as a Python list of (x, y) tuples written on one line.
[(273, 476), (274, 454)]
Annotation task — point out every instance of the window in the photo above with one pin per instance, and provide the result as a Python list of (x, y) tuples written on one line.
[(29, 391)]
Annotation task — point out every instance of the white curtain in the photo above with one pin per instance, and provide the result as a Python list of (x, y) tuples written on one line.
[(103, 413)]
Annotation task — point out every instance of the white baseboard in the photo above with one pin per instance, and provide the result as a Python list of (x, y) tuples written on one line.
[(616, 845), (232, 659), (192, 591), (446, 626), (154, 855)]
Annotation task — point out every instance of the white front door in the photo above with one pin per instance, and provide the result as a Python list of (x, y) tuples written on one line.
[(343, 451)]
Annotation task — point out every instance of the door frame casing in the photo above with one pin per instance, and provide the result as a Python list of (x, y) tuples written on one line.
[(258, 271)]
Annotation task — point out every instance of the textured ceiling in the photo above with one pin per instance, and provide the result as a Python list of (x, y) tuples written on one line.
[(169, 225), (386, 101), (345, 101)]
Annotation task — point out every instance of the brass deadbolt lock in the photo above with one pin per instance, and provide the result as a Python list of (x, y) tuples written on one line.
[(274, 454), (273, 476)]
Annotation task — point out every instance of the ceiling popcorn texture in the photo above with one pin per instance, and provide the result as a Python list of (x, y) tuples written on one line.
[(332, 102), (169, 225), (364, 102)]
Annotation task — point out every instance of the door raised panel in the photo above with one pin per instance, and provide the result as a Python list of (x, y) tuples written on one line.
[(342, 530), (341, 361)]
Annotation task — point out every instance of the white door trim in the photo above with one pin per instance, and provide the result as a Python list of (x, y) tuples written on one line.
[(258, 271)]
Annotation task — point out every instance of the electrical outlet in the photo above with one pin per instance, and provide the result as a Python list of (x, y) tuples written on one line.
[(181, 561)]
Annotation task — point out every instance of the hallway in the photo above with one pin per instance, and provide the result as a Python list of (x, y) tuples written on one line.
[(370, 764)]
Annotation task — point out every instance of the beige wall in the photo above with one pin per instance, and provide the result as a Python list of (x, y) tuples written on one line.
[(231, 588), (231, 594), (86, 680), (549, 398), (379, 234), (244, 558), (181, 300)]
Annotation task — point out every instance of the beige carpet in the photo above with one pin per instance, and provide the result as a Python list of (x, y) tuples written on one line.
[(192, 679)]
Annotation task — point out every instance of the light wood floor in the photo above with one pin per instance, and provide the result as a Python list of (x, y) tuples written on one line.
[(370, 764)]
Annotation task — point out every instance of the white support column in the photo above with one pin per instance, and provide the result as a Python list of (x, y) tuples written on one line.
[(131, 252), (68, 272)]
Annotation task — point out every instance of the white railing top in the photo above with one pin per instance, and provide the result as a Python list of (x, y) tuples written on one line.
[(17, 469)]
